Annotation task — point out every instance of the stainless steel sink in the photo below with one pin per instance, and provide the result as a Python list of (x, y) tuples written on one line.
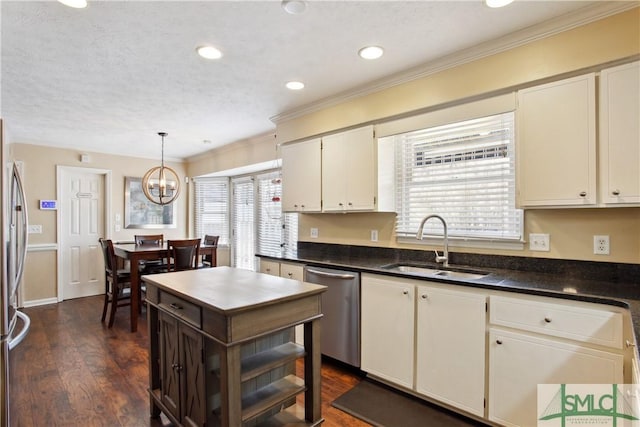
[(461, 275), (413, 269), (452, 272)]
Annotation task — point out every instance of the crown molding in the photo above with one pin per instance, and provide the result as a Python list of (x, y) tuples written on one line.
[(522, 37)]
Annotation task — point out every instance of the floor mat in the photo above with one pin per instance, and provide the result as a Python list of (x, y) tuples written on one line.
[(380, 405)]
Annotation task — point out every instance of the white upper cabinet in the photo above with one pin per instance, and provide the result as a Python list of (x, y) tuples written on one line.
[(556, 143), (349, 171), (301, 182), (619, 145)]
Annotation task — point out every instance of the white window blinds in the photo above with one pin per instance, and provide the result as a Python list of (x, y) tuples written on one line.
[(277, 231), (212, 208), (462, 171), (243, 247)]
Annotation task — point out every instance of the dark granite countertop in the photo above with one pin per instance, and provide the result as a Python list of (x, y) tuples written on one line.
[(617, 285)]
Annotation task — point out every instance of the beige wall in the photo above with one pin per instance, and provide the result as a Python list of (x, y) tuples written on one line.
[(40, 182), (242, 153), (611, 39), (571, 230)]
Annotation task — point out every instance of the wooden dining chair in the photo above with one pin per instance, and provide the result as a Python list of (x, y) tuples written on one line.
[(117, 283), (155, 265), (183, 254), (210, 260)]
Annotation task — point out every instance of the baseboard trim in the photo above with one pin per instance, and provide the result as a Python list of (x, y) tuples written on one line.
[(37, 302)]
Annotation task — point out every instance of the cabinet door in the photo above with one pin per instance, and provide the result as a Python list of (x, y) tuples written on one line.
[(556, 143), (519, 362), (349, 171), (169, 361), (301, 168), (192, 377), (291, 271), (450, 353), (387, 330), (620, 134), (269, 267)]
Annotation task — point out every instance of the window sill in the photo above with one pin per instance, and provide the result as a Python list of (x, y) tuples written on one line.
[(466, 242)]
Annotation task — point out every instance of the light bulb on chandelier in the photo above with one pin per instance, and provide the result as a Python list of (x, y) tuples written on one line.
[(161, 184)]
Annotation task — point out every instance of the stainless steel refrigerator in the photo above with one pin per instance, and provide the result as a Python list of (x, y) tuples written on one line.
[(14, 324)]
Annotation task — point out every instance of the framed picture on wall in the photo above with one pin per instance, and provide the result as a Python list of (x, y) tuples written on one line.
[(140, 212)]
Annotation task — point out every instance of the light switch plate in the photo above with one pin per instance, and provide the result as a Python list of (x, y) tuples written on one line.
[(314, 233), (35, 229)]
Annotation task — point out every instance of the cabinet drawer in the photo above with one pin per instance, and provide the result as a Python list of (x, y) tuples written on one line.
[(270, 267), (185, 310), (577, 323)]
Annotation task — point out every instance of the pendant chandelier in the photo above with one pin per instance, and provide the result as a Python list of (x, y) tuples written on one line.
[(161, 184)]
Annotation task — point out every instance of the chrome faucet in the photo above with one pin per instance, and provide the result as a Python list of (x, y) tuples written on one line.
[(444, 259)]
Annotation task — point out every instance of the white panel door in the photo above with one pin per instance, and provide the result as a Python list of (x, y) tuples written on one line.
[(450, 351), (387, 329), (82, 224), (519, 362), (556, 143)]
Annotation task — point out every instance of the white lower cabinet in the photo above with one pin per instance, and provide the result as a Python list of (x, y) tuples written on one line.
[(292, 271), (387, 329), (269, 267), (519, 362), (542, 341), (448, 345), (450, 352)]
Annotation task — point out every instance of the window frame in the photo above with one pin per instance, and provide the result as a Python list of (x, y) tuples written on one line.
[(436, 237)]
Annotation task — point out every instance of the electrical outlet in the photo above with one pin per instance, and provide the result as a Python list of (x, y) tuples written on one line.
[(601, 245), (314, 233), (374, 235), (539, 242)]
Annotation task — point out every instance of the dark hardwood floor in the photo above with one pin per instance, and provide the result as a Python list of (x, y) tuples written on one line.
[(73, 371)]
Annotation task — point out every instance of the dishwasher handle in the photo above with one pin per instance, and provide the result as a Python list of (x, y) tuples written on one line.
[(331, 275)]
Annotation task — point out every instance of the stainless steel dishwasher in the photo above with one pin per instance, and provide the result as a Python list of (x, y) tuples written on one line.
[(341, 309)]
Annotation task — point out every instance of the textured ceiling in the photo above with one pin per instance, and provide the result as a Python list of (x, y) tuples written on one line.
[(108, 77)]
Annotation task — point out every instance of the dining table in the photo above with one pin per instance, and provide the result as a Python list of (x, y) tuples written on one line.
[(134, 254)]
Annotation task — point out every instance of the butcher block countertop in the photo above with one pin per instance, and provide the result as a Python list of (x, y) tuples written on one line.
[(232, 290)]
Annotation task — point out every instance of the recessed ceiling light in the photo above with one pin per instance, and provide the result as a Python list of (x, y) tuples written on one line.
[(294, 7), (209, 52), (497, 3), (78, 4), (371, 52), (295, 85)]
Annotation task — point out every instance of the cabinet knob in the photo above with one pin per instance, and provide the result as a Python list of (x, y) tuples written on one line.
[(302, 206), (616, 192), (547, 319), (424, 296), (499, 342), (350, 204), (583, 194), (340, 204), (268, 270), (290, 274), (176, 367), (405, 292), (295, 206), (175, 306)]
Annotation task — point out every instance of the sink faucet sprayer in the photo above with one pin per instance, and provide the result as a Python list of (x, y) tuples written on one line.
[(444, 259)]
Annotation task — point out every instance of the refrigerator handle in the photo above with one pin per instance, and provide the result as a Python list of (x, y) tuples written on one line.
[(25, 224), (14, 341)]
